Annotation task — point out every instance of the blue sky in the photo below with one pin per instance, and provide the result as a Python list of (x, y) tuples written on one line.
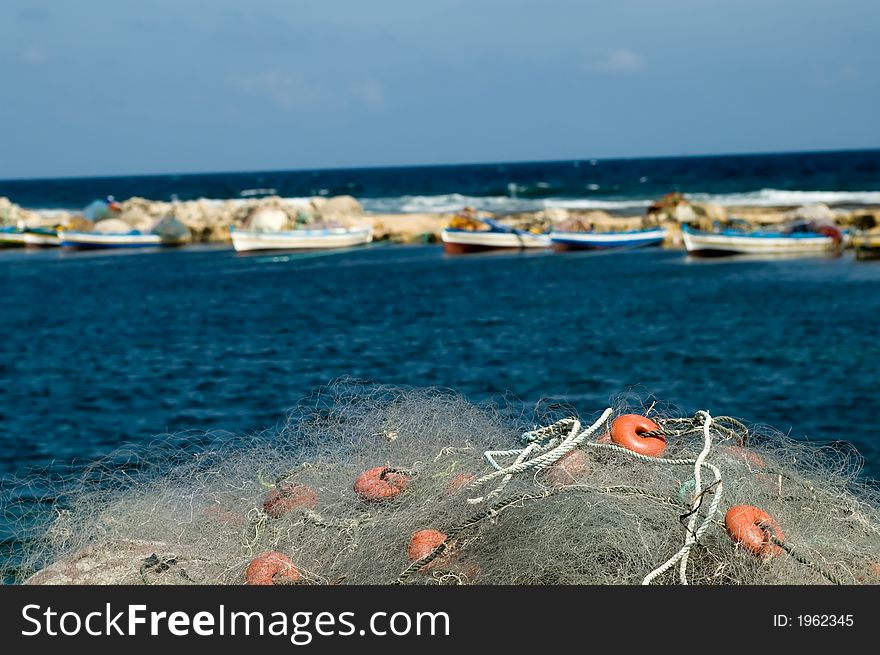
[(108, 87)]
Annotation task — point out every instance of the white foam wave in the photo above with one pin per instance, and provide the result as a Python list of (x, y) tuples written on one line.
[(500, 204), (779, 197), (450, 202)]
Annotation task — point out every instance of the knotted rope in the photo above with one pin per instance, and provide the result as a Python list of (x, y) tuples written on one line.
[(536, 456)]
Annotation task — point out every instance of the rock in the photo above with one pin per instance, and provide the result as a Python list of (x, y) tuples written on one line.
[(338, 208), (819, 212), (684, 213), (554, 215), (12, 214), (711, 211), (268, 219)]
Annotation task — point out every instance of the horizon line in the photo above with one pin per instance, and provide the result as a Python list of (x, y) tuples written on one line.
[(437, 165)]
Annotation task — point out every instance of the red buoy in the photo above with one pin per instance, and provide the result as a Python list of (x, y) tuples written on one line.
[(380, 483), (271, 568), (569, 468), (748, 526), (423, 543), (290, 496), (626, 431)]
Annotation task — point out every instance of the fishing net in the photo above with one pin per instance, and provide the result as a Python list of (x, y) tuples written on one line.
[(370, 484)]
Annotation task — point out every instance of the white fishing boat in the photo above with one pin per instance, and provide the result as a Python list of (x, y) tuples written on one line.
[(457, 241), (11, 237), (303, 239), (93, 240), (823, 240), (566, 240), (116, 233), (41, 237), (34, 237), (468, 239), (867, 245)]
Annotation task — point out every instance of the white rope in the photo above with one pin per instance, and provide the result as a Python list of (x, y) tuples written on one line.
[(692, 535), (535, 455)]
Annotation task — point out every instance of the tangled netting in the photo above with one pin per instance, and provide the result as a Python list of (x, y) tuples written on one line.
[(367, 484)]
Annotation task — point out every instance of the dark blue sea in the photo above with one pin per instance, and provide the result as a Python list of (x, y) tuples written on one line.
[(616, 185), (101, 350)]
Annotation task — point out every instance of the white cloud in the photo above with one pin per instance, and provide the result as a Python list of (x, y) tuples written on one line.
[(370, 92), (285, 89), (616, 61)]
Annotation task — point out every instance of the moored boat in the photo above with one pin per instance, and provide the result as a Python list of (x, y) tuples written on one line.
[(11, 237), (867, 245), (116, 233), (573, 240), (302, 239), (35, 237), (458, 241), (93, 240), (41, 237), (825, 240)]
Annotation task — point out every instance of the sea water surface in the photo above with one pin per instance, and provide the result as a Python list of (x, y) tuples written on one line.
[(847, 178), (105, 349)]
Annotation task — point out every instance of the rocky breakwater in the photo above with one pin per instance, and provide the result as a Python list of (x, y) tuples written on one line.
[(210, 220)]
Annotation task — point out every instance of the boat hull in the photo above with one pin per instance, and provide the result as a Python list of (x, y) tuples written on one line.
[(459, 242), (41, 239), (32, 238), (706, 244), (249, 240), (563, 241), (867, 246), (11, 238), (96, 240)]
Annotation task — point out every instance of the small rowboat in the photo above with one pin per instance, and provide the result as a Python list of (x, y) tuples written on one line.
[(732, 242), (867, 246), (563, 240), (11, 237), (458, 241), (36, 237), (317, 239), (93, 240), (41, 237)]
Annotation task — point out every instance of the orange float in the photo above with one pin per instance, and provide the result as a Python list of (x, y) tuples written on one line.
[(271, 568), (569, 468), (290, 496), (626, 431), (423, 543), (748, 526), (380, 483), (458, 483)]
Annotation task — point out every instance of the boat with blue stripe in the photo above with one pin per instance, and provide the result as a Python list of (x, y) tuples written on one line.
[(580, 240), (798, 240), (33, 237)]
